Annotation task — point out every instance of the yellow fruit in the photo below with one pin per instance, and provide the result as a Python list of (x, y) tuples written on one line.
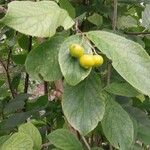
[(86, 61), (98, 60), (76, 50)]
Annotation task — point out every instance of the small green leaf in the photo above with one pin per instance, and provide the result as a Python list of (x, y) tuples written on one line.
[(70, 67), (144, 134), (65, 4), (14, 120), (128, 58), (43, 60), (96, 19), (19, 58), (32, 131), (83, 104), (117, 125), (122, 89), (3, 139), (126, 22), (18, 141), (64, 140), (16, 104), (36, 18), (145, 17)]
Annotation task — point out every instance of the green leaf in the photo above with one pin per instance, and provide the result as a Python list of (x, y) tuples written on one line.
[(14, 120), (65, 4), (97, 148), (70, 67), (32, 131), (122, 89), (128, 58), (145, 17), (134, 1), (140, 116), (96, 19), (15, 81), (39, 103), (126, 22), (3, 139), (36, 18), (23, 41), (19, 58), (83, 104), (43, 60), (18, 141), (16, 104), (117, 125), (64, 140), (144, 134)]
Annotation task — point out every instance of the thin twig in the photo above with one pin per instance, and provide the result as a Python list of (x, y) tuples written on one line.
[(45, 87), (114, 24), (6, 68), (84, 37), (86, 143), (26, 84), (45, 145), (2, 9), (114, 19), (137, 33)]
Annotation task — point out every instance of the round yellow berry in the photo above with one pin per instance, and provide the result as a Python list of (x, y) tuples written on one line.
[(76, 50), (86, 61), (98, 60)]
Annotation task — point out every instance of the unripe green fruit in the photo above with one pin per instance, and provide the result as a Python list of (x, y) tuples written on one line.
[(98, 60), (76, 50), (86, 61)]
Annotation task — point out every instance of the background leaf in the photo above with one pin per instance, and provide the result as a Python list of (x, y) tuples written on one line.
[(145, 17), (18, 141), (64, 140), (36, 18), (32, 131)]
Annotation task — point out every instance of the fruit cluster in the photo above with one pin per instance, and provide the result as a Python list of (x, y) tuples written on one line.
[(86, 60)]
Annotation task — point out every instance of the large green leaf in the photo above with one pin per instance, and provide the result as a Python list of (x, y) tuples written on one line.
[(43, 60), (70, 67), (117, 125), (64, 140), (145, 17), (18, 141), (32, 131), (36, 18), (129, 58), (83, 104)]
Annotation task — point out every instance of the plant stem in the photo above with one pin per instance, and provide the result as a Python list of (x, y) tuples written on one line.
[(86, 143), (136, 33), (114, 19), (6, 68), (114, 24), (45, 87), (26, 84)]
